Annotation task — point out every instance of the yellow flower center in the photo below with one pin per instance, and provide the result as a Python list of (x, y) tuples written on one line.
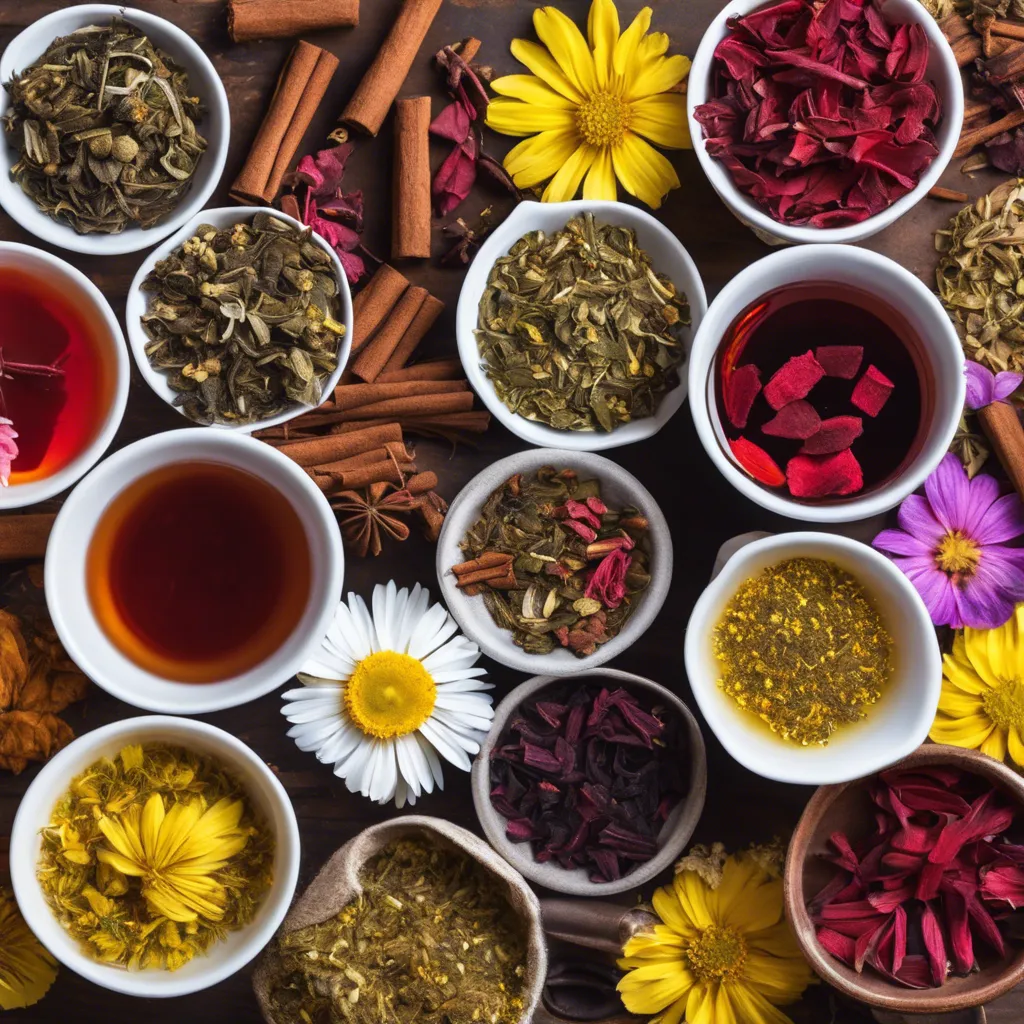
[(1004, 705), (957, 555), (603, 118), (389, 694), (717, 954)]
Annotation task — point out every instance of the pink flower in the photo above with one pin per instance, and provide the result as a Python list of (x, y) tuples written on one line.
[(8, 449), (985, 387), (608, 583)]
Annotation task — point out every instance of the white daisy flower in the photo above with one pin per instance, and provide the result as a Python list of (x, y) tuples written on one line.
[(390, 694)]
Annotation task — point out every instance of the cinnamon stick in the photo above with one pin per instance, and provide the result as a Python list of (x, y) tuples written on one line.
[(380, 85), (372, 305), (283, 19), (393, 450), (966, 50), (979, 136), (1007, 29), (372, 358), (495, 572), (24, 536), (333, 447), (938, 192), (474, 422), (434, 369), (955, 27), (300, 89), (352, 396), (427, 405), (424, 319), (410, 211), (488, 560), (388, 471), (421, 483), (468, 48), (1002, 426)]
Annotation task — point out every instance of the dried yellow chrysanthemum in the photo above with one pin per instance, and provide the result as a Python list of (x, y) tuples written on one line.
[(26, 969)]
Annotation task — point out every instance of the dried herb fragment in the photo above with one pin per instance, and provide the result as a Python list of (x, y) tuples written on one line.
[(803, 647), (578, 330), (242, 321), (588, 776), (564, 569), (104, 124), (431, 938), (380, 510)]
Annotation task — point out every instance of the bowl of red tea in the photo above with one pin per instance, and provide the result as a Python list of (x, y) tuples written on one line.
[(826, 383), (192, 571), (904, 888), (63, 375), (823, 122)]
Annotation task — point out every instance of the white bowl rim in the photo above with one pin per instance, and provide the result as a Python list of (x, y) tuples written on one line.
[(855, 508), (559, 662), (21, 495), (746, 208), (807, 771), (520, 855), (138, 300), (32, 903), (189, 698), (132, 239), (515, 226)]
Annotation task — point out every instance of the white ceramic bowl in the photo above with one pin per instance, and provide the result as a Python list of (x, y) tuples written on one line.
[(667, 256), (893, 727), (224, 958), (618, 488), (674, 834), (940, 364), (28, 46), (65, 570), (139, 300), (73, 284), (942, 71)]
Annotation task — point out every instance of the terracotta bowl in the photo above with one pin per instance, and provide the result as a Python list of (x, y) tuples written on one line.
[(846, 808)]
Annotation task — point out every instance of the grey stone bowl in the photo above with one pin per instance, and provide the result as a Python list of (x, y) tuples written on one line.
[(618, 488), (675, 833)]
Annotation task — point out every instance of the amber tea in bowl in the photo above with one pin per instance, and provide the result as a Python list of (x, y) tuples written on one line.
[(193, 571)]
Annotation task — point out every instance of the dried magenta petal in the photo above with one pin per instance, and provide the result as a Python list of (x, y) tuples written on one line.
[(872, 391), (757, 462), (820, 476), (797, 421), (834, 435), (793, 380), (840, 360), (741, 388)]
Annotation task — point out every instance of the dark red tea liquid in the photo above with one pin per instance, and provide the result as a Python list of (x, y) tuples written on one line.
[(199, 571), (56, 417), (793, 319)]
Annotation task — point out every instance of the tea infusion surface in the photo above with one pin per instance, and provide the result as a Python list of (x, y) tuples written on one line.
[(199, 571)]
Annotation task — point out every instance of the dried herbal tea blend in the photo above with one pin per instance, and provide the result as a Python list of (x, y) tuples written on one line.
[(578, 330), (555, 565), (242, 321), (934, 886), (430, 939), (588, 776), (105, 128), (803, 647), (817, 390), (153, 856)]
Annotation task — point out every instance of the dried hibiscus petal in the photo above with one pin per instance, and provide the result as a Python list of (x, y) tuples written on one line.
[(741, 388), (872, 391), (794, 379), (819, 476), (797, 421), (834, 435), (757, 462), (841, 361)]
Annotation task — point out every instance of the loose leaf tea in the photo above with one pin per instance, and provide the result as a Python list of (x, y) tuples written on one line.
[(104, 124), (588, 777), (243, 321), (578, 330), (803, 647), (153, 856), (556, 565), (431, 938), (935, 884)]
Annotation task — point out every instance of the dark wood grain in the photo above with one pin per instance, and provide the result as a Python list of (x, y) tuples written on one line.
[(701, 508)]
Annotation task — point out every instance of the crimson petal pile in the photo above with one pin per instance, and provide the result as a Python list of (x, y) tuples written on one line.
[(936, 880), (821, 112)]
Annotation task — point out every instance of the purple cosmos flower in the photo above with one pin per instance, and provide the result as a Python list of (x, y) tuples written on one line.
[(985, 387), (951, 547)]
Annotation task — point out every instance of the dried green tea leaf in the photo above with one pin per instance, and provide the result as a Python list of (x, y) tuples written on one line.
[(578, 331)]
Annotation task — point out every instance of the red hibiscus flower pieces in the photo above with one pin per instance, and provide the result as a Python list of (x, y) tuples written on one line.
[(872, 391), (797, 421), (757, 462), (794, 379), (820, 111), (840, 360), (608, 582), (818, 476), (741, 388), (833, 435)]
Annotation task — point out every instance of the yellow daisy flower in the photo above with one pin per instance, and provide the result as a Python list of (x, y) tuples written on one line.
[(982, 702), (592, 107), (26, 969), (724, 953)]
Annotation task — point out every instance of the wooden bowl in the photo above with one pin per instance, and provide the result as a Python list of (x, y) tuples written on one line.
[(846, 808)]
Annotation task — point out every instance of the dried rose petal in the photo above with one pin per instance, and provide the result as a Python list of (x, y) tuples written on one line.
[(794, 379)]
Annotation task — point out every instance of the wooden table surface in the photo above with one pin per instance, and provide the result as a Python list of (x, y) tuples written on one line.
[(702, 509)]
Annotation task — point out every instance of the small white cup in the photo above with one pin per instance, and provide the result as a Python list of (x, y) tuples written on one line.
[(67, 590), (940, 364), (942, 71), (892, 728), (224, 958)]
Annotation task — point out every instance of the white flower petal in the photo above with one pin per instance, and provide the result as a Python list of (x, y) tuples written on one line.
[(383, 602), (439, 738), (311, 710), (433, 761), (413, 765), (336, 749), (421, 643), (385, 772), (455, 730), (415, 608), (311, 736), (356, 768), (465, 683), (313, 692), (466, 704)]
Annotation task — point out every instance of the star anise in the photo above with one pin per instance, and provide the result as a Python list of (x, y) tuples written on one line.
[(365, 514)]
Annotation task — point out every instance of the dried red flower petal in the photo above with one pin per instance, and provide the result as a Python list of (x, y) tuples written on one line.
[(819, 476), (841, 361), (757, 462), (741, 388), (797, 421), (608, 581), (834, 435), (794, 379), (872, 391)]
